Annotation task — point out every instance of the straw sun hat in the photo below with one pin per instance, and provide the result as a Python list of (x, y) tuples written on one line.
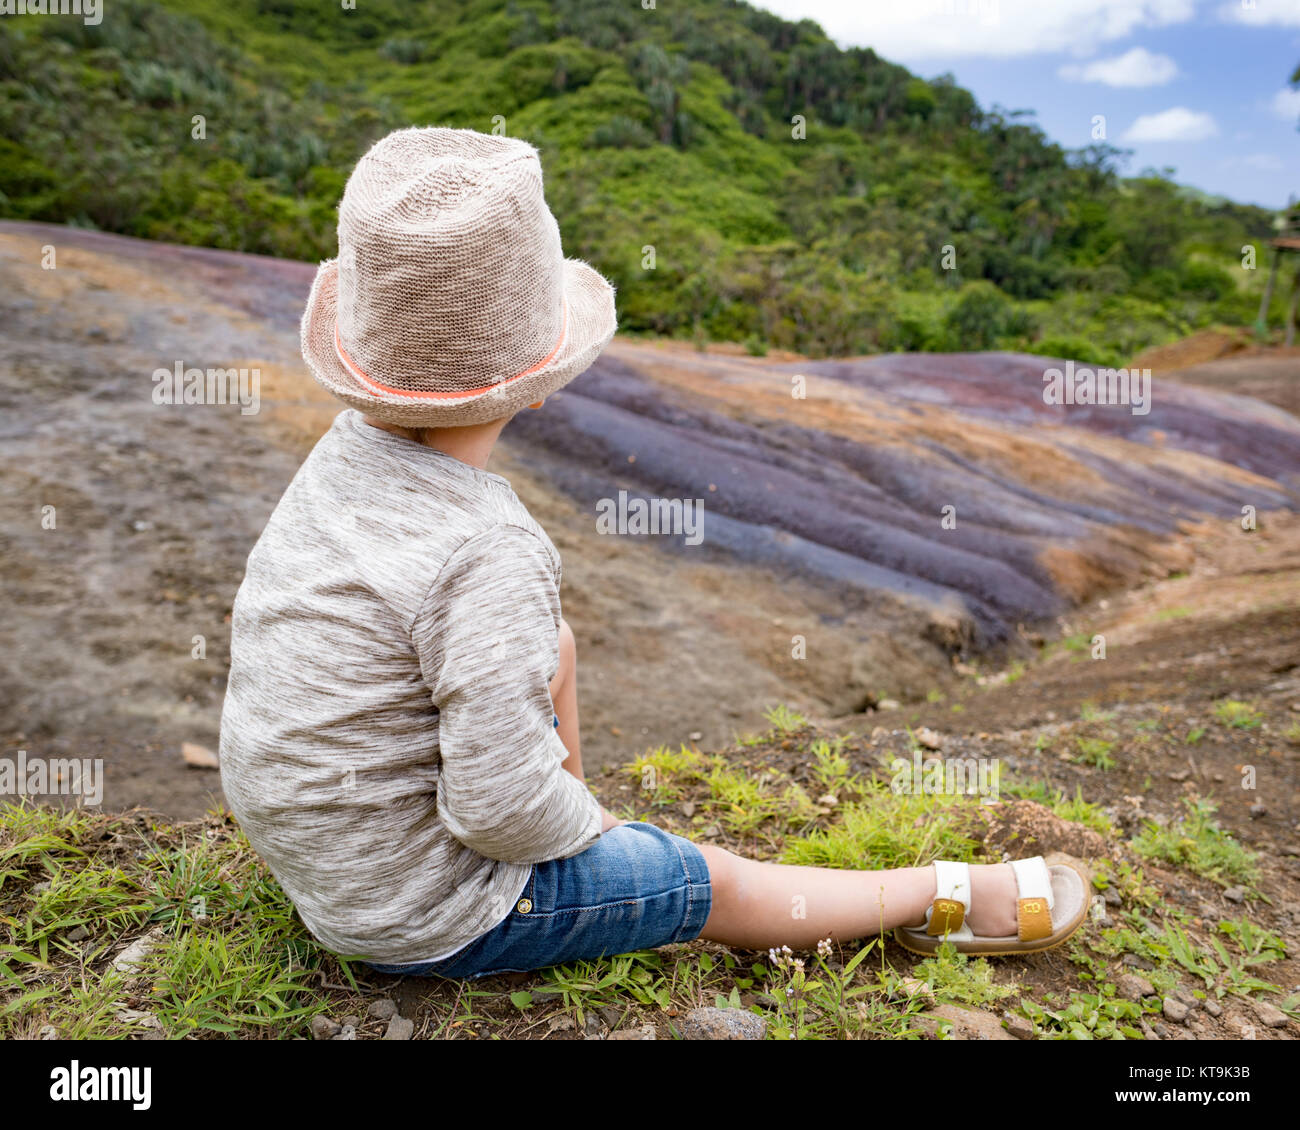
[(451, 301)]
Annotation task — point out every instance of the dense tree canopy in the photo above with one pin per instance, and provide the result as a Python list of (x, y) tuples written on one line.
[(900, 215)]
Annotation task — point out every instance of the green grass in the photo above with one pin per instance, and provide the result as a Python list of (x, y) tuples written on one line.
[(1091, 712), (958, 978), (228, 956), (784, 720), (1197, 842), (1074, 809), (885, 829), (1238, 715), (1088, 1016), (1094, 752)]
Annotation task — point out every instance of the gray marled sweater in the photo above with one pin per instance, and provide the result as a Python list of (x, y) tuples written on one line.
[(387, 741)]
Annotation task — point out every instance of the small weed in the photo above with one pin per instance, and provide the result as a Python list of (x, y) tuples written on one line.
[(1198, 843), (1238, 715), (831, 767), (1075, 809), (956, 977), (1088, 1016), (1095, 752), (824, 1003), (784, 720), (1253, 940), (886, 829)]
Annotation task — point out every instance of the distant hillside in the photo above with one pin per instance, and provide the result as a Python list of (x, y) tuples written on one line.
[(666, 129)]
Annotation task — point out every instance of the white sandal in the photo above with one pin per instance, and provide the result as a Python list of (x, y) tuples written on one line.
[(1052, 904)]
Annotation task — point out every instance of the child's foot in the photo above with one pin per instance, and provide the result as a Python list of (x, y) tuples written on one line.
[(1000, 908), (993, 896)]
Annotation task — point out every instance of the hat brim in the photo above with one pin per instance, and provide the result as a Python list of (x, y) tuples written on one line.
[(590, 325)]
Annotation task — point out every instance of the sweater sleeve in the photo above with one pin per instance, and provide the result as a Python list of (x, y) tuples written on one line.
[(487, 636)]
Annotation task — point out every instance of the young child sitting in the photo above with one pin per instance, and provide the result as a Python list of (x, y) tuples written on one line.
[(400, 734)]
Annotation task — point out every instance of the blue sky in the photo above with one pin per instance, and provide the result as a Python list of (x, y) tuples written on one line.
[(1199, 85)]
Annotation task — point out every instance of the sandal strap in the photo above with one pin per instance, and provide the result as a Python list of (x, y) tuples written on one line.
[(1035, 902), (947, 913)]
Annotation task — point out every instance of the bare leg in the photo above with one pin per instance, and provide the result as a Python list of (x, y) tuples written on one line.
[(759, 905)]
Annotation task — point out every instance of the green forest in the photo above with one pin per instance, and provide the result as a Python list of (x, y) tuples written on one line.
[(906, 216)]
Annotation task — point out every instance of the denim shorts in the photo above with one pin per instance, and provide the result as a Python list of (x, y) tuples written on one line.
[(635, 888)]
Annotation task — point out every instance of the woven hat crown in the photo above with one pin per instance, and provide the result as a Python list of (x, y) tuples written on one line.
[(450, 268)]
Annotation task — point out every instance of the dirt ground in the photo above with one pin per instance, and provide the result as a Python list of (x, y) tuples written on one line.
[(823, 521)]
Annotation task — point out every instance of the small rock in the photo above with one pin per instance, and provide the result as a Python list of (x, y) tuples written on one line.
[(1147, 1031), (1112, 897), (1175, 1010), (887, 704), (1187, 997), (1269, 1015), (47, 1032), (644, 1032), (399, 1028), (347, 1032), (80, 934), (1213, 1009), (199, 756), (1179, 774), (135, 953), (350, 1021), (594, 1027), (723, 1024), (382, 1009), (695, 735), (1257, 810), (1020, 1027), (688, 808), (1131, 987), (927, 738), (323, 1028), (1163, 1031), (967, 1023), (1134, 962), (560, 1024), (1235, 894)]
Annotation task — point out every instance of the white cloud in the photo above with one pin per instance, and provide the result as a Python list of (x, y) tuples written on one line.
[(1262, 13), (906, 30), (1176, 124), (1138, 67), (1286, 104)]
